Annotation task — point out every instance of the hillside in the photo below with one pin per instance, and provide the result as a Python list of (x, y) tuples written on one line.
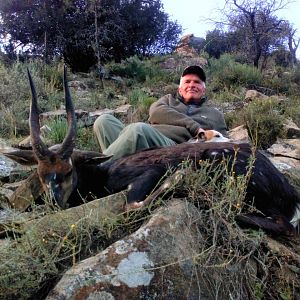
[(186, 243)]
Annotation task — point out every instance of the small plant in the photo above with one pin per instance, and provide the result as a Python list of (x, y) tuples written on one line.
[(86, 139), (58, 130), (263, 120), (142, 101)]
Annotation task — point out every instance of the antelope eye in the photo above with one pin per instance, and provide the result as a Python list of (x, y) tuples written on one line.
[(68, 174)]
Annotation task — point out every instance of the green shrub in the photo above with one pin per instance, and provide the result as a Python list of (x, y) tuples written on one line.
[(86, 139), (226, 72), (296, 75), (142, 101), (15, 93), (58, 130), (141, 71), (277, 84), (263, 121), (292, 109), (85, 136)]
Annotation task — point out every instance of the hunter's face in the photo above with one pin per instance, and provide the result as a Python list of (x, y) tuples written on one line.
[(191, 88)]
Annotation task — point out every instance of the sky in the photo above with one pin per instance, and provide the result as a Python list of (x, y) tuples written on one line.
[(190, 14)]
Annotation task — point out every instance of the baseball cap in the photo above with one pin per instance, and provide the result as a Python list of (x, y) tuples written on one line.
[(197, 70)]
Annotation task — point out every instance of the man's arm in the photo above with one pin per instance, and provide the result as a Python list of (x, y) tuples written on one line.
[(162, 112)]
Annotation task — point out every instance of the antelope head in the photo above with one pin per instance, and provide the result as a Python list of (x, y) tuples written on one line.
[(55, 167)]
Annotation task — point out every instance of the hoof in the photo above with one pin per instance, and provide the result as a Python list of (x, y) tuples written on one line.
[(133, 206)]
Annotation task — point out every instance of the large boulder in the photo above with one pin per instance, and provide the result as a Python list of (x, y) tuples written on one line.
[(158, 261)]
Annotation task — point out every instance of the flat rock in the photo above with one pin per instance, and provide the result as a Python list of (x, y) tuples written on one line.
[(286, 147)]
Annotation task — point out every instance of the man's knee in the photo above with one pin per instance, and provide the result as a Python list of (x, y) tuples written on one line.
[(102, 120), (139, 127)]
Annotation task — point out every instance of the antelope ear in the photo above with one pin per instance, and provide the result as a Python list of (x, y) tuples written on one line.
[(91, 157), (201, 136), (23, 157)]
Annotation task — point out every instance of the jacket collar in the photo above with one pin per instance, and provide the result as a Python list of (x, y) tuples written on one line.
[(203, 99)]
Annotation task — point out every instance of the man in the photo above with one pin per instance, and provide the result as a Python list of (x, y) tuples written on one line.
[(172, 120)]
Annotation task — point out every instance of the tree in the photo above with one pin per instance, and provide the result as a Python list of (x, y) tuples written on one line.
[(33, 23), (293, 43), (216, 43), (257, 23), (81, 29)]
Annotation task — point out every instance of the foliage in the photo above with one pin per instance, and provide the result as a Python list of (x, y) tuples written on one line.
[(227, 72), (142, 101), (58, 130), (263, 120), (87, 32), (141, 71), (296, 75), (216, 43), (15, 93), (291, 110), (259, 29)]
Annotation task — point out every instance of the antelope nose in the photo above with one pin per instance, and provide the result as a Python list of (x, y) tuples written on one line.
[(57, 194)]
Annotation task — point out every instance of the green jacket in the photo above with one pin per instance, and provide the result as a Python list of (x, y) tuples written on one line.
[(180, 122)]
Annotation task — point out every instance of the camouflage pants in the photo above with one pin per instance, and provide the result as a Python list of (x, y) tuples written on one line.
[(119, 140)]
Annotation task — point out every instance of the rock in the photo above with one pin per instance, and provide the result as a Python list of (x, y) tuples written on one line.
[(5, 194), (240, 134), (155, 262), (172, 64), (285, 155), (285, 164), (184, 48), (61, 113), (88, 118), (26, 143), (14, 185), (253, 95), (26, 193), (292, 130), (91, 117), (189, 46), (117, 79), (77, 85), (123, 112), (95, 211), (287, 147), (7, 166)]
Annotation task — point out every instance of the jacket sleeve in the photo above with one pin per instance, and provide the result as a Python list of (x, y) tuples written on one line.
[(220, 124), (161, 112)]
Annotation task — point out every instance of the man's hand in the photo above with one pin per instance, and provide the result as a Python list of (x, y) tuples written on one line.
[(200, 132)]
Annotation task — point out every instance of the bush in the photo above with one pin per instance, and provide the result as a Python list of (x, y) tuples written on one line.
[(141, 71), (291, 109), (85, 136), (263, 121), (15, 93), (142, 101), (296, 75), (226, 72)]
